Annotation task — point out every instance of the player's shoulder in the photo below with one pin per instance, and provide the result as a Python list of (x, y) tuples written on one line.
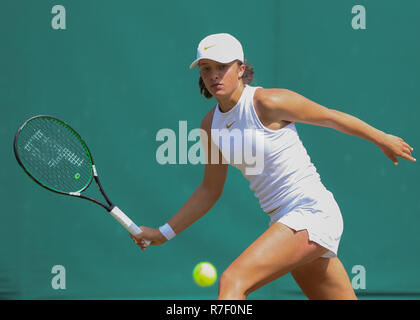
[(268, 98), (207, 120)]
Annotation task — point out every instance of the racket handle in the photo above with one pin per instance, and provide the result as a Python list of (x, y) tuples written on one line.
[(126, 222)]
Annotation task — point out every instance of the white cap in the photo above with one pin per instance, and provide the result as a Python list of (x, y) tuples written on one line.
[(220, 47)]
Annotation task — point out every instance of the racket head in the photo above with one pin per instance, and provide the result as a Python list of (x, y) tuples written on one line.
[(54, 155)]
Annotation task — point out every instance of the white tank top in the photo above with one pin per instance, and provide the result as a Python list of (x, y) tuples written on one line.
[(287, 168)]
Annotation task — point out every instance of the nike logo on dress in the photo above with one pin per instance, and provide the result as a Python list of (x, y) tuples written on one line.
[(229, 125)]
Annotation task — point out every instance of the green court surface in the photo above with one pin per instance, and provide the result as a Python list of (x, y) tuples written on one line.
[(118, 73)]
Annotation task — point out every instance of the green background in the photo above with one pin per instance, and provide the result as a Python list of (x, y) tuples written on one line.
[(119, 73)]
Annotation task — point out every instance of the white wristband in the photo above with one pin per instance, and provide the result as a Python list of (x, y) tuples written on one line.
[(167, 231)]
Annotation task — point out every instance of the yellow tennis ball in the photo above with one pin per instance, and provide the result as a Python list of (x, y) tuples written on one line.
[(204, 274)]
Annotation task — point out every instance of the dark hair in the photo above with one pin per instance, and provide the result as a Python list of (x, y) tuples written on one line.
[(247, 78)]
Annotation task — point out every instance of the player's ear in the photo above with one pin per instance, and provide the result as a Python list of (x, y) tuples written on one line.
[(242, 68)]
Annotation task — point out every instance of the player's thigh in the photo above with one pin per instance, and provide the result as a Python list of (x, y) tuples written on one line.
[(276, 252), (324, 278)]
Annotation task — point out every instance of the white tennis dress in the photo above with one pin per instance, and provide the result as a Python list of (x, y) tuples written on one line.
[(284, 179)]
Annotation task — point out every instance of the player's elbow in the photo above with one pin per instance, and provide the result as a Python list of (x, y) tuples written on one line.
[(332, 118), (212, 193)]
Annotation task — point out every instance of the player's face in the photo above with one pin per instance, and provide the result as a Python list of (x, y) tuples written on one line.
[(221, 79)]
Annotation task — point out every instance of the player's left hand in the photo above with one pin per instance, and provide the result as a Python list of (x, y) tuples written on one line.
[(394, 147)]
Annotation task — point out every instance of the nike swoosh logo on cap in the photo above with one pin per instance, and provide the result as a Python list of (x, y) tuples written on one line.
[(205, 48)]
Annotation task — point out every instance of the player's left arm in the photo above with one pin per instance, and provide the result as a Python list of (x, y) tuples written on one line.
[(284, 104)]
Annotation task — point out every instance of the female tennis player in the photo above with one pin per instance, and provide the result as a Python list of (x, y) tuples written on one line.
[(305, 220)]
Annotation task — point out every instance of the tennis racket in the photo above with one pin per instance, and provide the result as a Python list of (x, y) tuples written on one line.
[(55, 156)]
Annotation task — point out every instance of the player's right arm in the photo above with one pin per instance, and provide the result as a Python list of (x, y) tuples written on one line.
[(211, 187), (203, 198)]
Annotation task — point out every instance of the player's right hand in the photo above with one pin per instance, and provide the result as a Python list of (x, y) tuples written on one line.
[(153, 235)]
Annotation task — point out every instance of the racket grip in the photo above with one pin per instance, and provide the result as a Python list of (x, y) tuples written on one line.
[(126, 222)]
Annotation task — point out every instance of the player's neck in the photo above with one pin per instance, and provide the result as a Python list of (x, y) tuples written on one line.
[(227, 103)]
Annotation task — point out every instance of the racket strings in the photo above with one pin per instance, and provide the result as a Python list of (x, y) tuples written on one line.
[(54, 155)]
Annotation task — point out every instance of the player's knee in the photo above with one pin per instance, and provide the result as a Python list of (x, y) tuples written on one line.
[(231, 281)]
